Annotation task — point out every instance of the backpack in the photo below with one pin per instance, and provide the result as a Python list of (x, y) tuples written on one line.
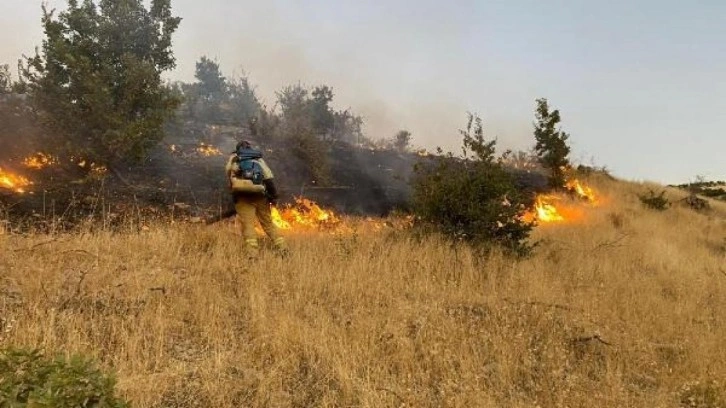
[(249, 167)]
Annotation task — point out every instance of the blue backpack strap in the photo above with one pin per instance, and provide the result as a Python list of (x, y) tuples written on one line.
[(248, 154)]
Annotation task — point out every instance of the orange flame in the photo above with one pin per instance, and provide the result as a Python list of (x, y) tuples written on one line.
[(95, 169), (580, 190), (13, 182), (39, 161), (304, 214), (549, 208), (546, 210), (208, 150), (98, 169)]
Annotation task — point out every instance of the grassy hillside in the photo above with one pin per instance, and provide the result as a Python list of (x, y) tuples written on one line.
[(625, 307)]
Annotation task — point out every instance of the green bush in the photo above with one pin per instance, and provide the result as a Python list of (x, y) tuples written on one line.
[(472, 198), (655, 202), (29, 379)]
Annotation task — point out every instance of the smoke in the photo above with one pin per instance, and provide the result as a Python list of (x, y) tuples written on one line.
[(376, 57), (20, 134)]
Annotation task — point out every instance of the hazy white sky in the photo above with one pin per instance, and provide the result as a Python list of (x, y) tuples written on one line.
[(641, 85)]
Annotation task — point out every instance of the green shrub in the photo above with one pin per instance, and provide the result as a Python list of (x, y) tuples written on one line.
[(472, 198), (29, 379), (655, 202)]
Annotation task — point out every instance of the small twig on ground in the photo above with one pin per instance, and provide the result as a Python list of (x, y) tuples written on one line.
[(45, 292), (40, 244), (537, 303), (595, 337), (723, 271), (159, 289), (77, 291), (80, 251), (613, 243)]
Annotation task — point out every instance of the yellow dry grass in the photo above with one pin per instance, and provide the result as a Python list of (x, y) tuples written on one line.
[(624, 308)]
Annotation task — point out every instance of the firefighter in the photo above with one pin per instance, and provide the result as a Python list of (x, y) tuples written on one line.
[(253, 190)]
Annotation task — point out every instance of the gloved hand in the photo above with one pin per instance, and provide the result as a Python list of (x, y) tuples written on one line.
[(271, 191)]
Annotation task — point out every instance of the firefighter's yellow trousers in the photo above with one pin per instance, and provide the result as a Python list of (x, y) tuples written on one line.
[(250, 208)]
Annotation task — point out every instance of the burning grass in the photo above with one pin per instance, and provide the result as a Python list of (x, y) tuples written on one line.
[(14, 182), (625, 309), (557, 207), (581, 190), (304, 214), (208, 150), (40, 161), (20, 184), (191, 150)]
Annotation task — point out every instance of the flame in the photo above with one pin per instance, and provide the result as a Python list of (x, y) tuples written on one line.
[(208, 150), (81, 162), (279, 222), (581, 190), (546, 211), (39, 161), (304, 214), (98, 169), (94, 168), (13, 182), (552, 208)]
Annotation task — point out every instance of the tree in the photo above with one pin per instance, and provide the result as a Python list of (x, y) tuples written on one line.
[(348, 127), (6, 81), (210, 91), (323, 117), (551, 148), (212, 84), (244, 104), (472, 198), (297, 129), (293, 102), (402, 140), (217, 99), (96, 81)]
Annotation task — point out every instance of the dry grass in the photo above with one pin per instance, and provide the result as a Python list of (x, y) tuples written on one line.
[(624, 309)]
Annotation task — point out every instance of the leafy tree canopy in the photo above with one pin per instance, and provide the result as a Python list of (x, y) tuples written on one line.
[(96, 80)]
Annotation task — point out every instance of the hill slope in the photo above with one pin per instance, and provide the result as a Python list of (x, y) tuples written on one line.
[(624, 307)]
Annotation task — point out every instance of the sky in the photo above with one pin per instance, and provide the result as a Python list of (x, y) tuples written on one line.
[(640, 85)]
